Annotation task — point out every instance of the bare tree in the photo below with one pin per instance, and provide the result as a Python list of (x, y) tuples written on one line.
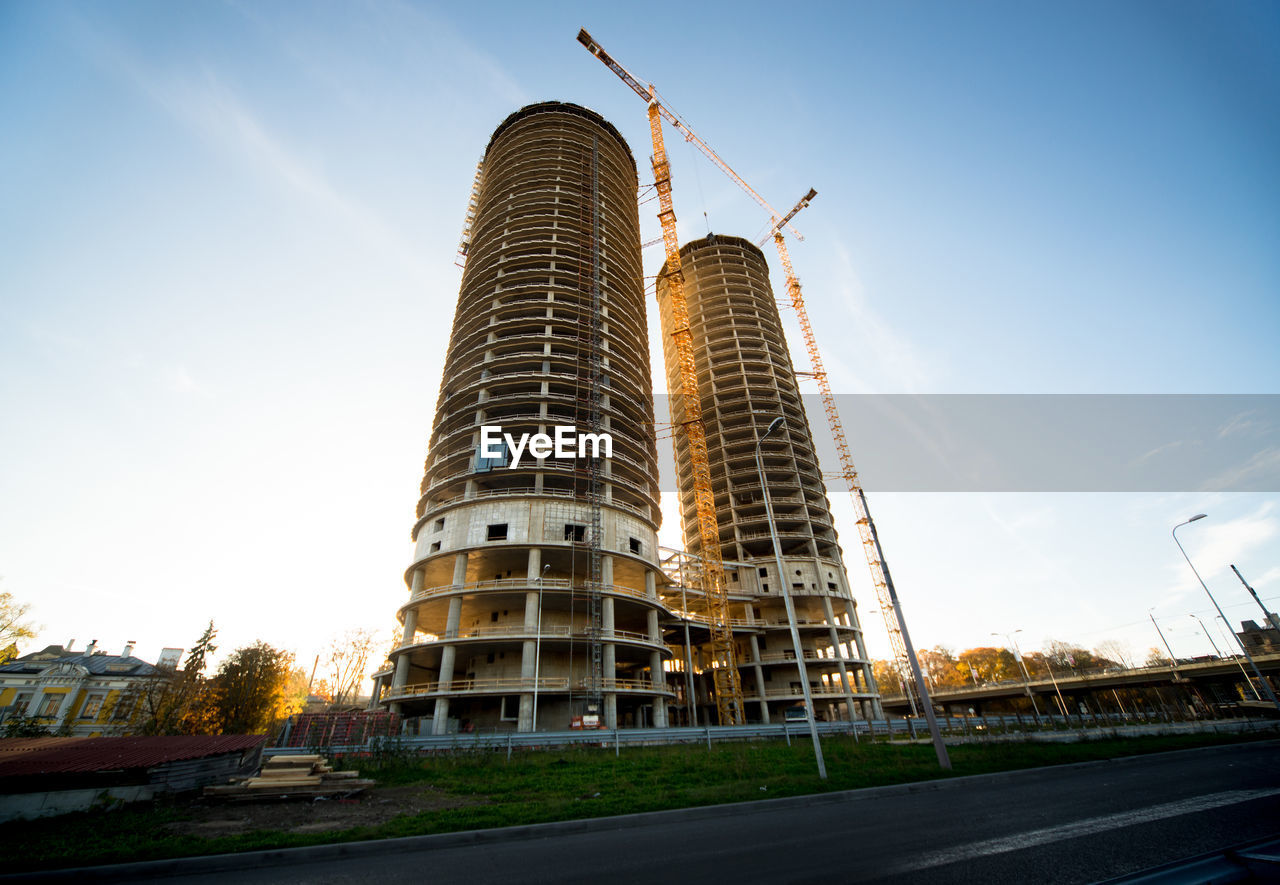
[(348, 663), (1157, 658), (1115, 650)]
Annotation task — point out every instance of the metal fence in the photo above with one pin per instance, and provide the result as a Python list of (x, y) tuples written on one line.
[(879, 729)]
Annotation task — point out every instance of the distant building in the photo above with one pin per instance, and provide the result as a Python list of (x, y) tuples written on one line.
[(82, 694), (1259, 640)]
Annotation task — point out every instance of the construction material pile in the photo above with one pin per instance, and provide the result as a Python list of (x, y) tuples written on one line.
[(293, 777)]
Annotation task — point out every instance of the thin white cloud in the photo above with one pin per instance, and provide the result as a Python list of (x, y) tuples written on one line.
[(178, 380), (1169, 446), (1260, 469), (1213, 547), (207, 105), (1238, 424), (894, 358)]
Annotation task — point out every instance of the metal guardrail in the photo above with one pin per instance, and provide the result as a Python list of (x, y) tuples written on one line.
[(904, 729)]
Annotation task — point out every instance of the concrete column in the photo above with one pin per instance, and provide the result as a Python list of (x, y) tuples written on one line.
[(659, 681), (410, 622), (606, 615), (448, 653), (460, 568), (877, 710), (528, 658), (610, 662), (650, 585), (528, 663), (835, 645), (606, 569), (401, 676)]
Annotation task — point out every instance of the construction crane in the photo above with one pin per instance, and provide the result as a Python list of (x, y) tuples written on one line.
[(725, 677), (907, 665)]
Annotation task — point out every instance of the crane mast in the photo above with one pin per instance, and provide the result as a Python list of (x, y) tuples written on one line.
[(728, 685)]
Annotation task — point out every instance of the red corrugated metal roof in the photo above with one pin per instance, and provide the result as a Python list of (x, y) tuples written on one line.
[(21, 757)]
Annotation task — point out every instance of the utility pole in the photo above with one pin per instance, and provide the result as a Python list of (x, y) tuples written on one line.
[(1269, 617)]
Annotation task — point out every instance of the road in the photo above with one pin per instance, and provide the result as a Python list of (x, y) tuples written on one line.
[(1069, 824)]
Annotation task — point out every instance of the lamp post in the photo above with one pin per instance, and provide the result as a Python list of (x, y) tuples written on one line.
[(1026, 677), (1061, 703), (1266, 686), (786, 598), (537, 644), (690, 701), (1217, 651), (1173, 662)]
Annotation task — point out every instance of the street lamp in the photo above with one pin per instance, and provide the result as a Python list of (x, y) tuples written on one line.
[(1266, 686), (1061, 703), (1026, 677), (786, 598), (1217, 651), (537, 645)]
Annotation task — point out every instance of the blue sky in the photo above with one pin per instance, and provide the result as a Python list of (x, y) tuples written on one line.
[(226, 275)]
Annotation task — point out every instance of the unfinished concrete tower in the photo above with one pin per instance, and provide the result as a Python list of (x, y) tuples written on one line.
[(746, 380), (533, 595)]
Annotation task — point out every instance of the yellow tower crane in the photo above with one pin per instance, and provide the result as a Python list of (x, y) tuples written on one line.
[(728, 684)]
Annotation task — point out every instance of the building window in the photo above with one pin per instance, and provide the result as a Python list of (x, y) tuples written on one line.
[(764, 573), (636, 547), (124, 708), (440, 524), (498, 531), (20, 703), (575, 532), (484, 465), (493, 617), (435, 546), (91, 706), (510, 708), (50, 704)]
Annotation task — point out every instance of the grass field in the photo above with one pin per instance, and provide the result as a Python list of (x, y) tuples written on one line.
[(480, 790)]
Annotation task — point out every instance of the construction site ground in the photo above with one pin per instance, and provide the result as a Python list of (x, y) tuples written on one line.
[(470, 791), (205, 819)]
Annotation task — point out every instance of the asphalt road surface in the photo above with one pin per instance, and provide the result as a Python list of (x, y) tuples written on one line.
[(1079, 823)]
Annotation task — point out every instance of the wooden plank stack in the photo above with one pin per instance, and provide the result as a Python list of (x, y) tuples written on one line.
[(294, 777)]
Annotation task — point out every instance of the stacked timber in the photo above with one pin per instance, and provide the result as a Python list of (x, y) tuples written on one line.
[(293, 777)]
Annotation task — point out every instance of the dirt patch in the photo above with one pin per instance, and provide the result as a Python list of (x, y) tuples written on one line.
[(375, 806)]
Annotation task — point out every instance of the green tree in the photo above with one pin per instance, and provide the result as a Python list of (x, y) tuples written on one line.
[(248, 694), (176, 701), (940, 667), (990, 664), (887, 679)]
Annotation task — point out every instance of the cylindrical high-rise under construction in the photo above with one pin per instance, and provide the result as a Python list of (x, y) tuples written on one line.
[(746, 380), (533, 590)]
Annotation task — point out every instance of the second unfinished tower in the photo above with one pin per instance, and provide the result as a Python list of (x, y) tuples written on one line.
[(746, 379)]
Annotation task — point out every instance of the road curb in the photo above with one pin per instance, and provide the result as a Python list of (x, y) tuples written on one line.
[(225, 863)]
